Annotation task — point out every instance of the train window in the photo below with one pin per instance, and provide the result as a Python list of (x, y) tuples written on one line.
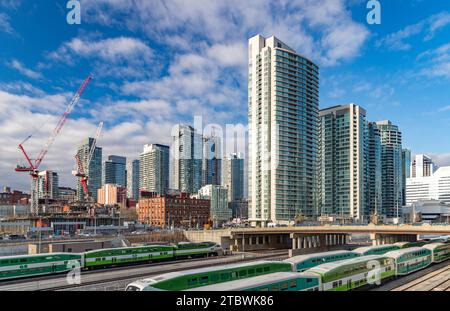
[(204, 279), (275, 288), (259, 270), (215, 277), (264, 289), (266, 269), (23, 260), (293, 284), (251, 271), (233, 275), (242, 273), (224, 276), (335, 284), (284, 286), (192, 281), (308, 280)]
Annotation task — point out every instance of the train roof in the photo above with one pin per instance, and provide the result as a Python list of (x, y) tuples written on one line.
[(363, 249), (38, 255), (314, 255), (125, 247), (400, 252), (171, 275), (329, 266), (432, 246), (260, 280)]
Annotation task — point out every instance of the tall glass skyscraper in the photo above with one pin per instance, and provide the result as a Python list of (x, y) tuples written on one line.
[(154, 168), (342, 155), (283, 102), (212, 161), (114, 171), (373, 181), (406, 166), (391, 168), (233, 176), (93, 169), (187, 155), (133, 179)]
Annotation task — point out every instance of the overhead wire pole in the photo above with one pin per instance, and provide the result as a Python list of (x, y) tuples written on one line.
[(33, 168)]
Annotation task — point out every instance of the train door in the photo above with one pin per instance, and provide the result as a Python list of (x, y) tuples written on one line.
[(349, 284)]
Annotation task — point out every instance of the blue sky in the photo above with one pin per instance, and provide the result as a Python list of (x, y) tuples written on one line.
[(157, 63)]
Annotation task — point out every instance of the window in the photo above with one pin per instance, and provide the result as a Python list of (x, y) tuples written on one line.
[(204, 279), (192, 281), (242, 273), (266, 269)]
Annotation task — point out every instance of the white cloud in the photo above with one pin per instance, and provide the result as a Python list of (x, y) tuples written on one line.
[(15, 64), (224, 22), (118, 57), (437, 62), (5, 25), (428, 27)]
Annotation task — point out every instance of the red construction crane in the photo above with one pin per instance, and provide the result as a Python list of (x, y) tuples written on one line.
[(33, 167), (83, 170)]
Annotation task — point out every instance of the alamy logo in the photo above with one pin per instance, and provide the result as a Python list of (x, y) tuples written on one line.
[(374, 275), (74, 15), (374, 16), (74, 275)]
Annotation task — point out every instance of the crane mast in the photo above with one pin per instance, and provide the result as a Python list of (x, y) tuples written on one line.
[(33, 168), (83, 170)]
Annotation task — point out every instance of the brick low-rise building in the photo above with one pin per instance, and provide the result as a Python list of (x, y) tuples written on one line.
[(176, 211)]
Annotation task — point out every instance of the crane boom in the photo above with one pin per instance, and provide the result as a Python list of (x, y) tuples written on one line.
[(62, 121)]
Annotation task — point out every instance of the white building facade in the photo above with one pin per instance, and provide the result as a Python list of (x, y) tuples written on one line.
[(434, 187)]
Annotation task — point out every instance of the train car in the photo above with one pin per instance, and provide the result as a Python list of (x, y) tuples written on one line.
[(127, 255), (411, 259), (186, 249), (376, 250), (403, 245), (354, 273), (439, 251), (175, 281), (305, 262), (33, 265), (279, 281)]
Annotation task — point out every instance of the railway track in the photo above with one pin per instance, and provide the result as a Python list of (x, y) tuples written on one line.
[(438, 280)]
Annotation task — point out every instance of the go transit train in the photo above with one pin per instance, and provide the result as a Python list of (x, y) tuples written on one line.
[(12, 267), (328, 271)]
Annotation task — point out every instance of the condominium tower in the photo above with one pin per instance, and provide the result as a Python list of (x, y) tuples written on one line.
[(154, 168), (233, 176), (133, 179), (342, 154), (391, 168), (283, 101), (212, 160), (187, 159)]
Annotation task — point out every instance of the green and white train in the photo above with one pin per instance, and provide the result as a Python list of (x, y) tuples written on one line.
[(12, 267), (342, 271), (193, 278), (279, 281)]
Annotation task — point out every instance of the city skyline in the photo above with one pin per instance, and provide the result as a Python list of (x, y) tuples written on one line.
[(136, 76)]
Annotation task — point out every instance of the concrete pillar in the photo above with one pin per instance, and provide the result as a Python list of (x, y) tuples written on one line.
[(294, 243), (299, 242)]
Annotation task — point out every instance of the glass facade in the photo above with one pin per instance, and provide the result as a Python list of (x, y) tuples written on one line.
[(391, 168), (283, 132)]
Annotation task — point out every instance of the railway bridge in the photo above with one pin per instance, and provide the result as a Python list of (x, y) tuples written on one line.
[(307, 239)]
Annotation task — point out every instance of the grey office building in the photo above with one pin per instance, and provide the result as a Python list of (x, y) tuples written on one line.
[(212, 161)]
